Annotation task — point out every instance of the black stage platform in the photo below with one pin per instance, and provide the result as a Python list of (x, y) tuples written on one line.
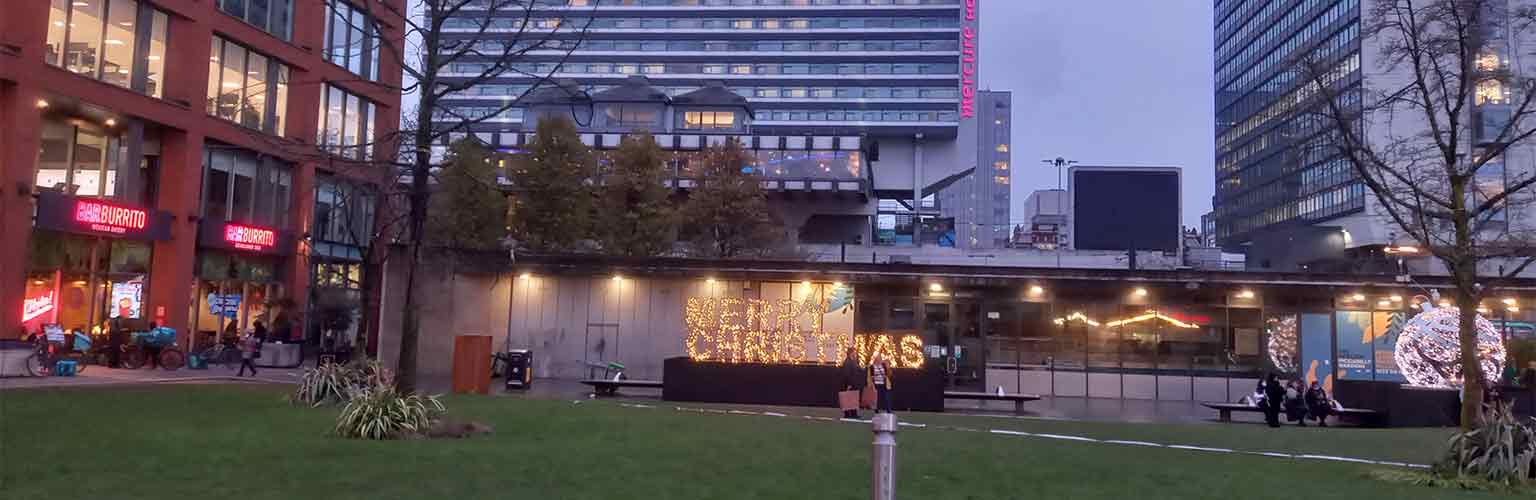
[(789, 385)]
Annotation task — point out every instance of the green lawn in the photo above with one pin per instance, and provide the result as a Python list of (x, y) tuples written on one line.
[(228, 442)]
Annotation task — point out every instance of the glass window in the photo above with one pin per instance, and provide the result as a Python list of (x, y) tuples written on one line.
[(85, 26), (216, 185), (90, 153), (58, 21), (255, 105), (345, 123), (279, 126), (271, 16), (232, 81), (242, 85), (243, 186), (154, 64), (117, 47)]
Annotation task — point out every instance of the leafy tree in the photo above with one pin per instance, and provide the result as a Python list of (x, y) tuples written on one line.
[(635, 216), (552, 210), (468, 210), (727, 215)]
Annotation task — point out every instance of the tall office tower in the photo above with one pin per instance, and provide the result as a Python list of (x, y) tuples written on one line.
[(891, 81), (993, 180), (1282, 191)]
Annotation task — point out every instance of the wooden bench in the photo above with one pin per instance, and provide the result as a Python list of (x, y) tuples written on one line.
[(1361, 415), (1017, 399), (603, 387)]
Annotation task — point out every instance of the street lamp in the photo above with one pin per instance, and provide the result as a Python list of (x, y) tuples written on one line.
[(1060, 164)]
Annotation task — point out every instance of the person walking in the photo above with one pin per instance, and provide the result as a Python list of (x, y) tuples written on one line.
[(248, 348), (1274, 398), (1318, 404), (852, 381), (880, 377)]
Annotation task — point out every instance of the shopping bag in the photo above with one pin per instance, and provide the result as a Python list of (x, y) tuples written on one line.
[(848, 400), (867, 399)]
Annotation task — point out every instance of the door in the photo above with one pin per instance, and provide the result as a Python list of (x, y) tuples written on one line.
[(955, 329)]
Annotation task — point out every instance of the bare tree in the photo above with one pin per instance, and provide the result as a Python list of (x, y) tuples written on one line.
[(453, 46), (1447, 108)]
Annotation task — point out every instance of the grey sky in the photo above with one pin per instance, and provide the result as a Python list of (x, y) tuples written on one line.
[(1105, 82)]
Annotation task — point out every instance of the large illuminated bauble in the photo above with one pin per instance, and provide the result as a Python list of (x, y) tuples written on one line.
[(1282, 342), (1428, 350)]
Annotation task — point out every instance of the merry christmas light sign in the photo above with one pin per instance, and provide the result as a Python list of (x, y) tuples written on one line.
[(737, 330)]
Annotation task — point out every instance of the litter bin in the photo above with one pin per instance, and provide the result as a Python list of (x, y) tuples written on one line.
[(519, 368)]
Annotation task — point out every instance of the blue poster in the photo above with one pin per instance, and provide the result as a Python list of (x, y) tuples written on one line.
[(1356, 345), (1389, 325), (1317, 348), (227, 305)]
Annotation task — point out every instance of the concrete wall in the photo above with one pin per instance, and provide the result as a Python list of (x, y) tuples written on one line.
[(451, 304)]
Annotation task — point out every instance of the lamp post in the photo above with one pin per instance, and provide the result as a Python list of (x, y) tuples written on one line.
[(1061, 164)]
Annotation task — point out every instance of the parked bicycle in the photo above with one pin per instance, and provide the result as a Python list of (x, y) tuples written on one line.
[(159, 342), (222, 353)]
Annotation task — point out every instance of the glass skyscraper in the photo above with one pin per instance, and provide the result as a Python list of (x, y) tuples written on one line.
[(1270, 169)]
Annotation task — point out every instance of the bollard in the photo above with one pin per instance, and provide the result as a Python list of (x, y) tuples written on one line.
[(883, 463)]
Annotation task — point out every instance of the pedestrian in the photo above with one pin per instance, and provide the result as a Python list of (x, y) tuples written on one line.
[(852, 381), (1274, 398), (248, 348), (259, 329), (880, 377), (1295, 406), (1318, 404)]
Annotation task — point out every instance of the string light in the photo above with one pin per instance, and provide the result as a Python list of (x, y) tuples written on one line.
[(1077, 316), (1148, 316), (1282, 342), (735, 330), (1428, 351)]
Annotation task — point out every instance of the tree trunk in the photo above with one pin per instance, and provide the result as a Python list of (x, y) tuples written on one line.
[(410, 329), (1471, 369)]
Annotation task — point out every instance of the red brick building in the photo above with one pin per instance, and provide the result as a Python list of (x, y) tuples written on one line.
[(187, 161)]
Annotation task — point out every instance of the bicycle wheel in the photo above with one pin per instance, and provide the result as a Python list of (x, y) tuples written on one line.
[(133, 358), (36, 365), (172, 359)]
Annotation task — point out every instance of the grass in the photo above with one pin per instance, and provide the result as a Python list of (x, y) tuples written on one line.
[(244, 442)]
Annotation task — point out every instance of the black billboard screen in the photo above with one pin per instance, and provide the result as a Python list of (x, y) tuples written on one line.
[(1125, 209)]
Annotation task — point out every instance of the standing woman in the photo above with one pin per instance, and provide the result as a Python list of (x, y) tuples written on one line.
[(853, 380), (880, 377)]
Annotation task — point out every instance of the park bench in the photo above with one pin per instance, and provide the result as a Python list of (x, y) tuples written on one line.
[(1017, 399), (1359, 415), (604, 387)]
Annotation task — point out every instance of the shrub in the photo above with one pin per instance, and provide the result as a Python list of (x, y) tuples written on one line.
[(381, 412), (337, 383), (1501, 450)]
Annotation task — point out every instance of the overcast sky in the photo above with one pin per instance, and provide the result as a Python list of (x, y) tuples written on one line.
[(1105, 82)]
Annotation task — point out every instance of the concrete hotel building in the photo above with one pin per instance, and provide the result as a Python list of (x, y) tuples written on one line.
[(854, 108), (187, 161)]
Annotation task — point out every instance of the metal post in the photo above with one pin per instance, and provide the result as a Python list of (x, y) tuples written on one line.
[(882, 484)]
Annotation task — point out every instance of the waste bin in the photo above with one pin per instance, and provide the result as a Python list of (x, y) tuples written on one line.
[(519, 368)]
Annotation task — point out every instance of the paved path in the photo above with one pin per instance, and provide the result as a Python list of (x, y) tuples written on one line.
[(100, 375)]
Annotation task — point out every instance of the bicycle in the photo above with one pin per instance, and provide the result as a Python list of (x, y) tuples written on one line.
[(222, 353), (170, 357)]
